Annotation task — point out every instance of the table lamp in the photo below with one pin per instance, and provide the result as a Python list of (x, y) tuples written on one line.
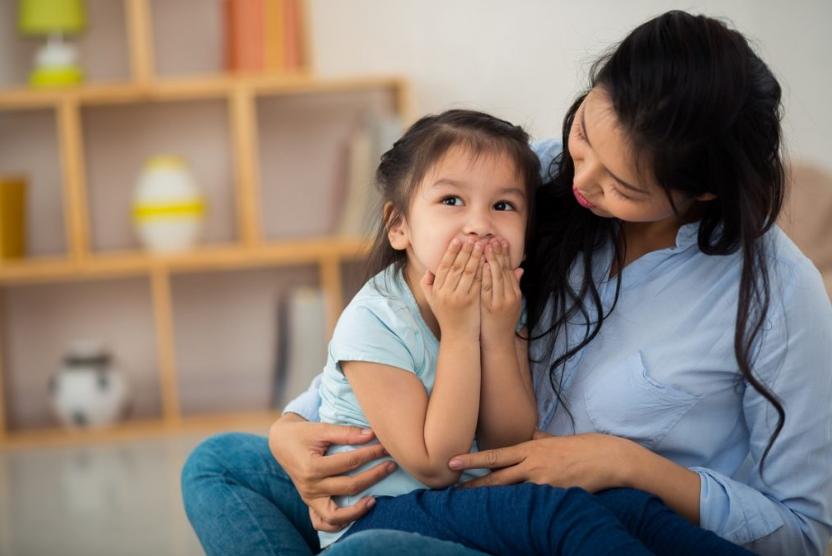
[(56, 62)]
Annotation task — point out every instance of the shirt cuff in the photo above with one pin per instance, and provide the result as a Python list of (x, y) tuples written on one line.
[(307, 404), (733, 510)]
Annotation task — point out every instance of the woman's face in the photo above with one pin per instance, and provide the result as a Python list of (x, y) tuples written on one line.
[(607, 180)]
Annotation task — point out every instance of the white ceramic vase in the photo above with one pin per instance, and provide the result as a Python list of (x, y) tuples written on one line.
[(168, 208)]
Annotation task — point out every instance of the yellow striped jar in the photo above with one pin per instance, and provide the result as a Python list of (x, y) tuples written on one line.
[(168, 207)]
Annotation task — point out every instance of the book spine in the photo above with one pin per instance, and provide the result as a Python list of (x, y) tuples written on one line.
[(245, 35), (291, 35), (274, 40), (229, 19)]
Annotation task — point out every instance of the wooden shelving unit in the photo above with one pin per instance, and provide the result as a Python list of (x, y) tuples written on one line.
[(249, 250)]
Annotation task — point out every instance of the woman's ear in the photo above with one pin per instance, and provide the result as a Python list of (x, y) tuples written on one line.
[(396, 228)]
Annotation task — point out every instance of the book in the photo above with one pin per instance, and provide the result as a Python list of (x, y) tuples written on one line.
[(245, 35), (355, 189), (275, 22), (302, 342), (263, 35)]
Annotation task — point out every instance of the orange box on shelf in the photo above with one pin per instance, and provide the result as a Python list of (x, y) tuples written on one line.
[(12, 217)]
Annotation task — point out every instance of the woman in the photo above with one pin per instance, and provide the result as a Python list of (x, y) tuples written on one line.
[(681, 343)]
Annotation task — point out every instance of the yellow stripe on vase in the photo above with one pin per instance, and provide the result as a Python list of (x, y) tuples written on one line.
[(144, 212)]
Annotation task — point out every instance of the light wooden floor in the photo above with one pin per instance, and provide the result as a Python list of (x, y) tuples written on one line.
[(119, 498)]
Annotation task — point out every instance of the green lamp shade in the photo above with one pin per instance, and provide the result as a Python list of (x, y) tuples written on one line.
[(42, 17)]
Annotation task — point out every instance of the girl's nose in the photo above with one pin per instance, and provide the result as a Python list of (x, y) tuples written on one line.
[(478, 227)]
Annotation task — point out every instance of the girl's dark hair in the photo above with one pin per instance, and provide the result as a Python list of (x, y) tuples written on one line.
[(703, 112), (404, 166)]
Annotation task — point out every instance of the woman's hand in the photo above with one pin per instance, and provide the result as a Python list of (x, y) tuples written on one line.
[(454, 292), (591, 461), (300, 447), (501, 298)]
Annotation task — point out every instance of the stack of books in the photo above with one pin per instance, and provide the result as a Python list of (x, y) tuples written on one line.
[(264, 36), (357, 204)]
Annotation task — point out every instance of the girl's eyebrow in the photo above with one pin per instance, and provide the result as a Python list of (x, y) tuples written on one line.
[(616, 178), (510, 190)]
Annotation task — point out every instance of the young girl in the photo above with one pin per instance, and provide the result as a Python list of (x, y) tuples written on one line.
[(427, 353)]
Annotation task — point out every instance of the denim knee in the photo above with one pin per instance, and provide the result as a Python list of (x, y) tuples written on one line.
[(381, 541), (208, 456)]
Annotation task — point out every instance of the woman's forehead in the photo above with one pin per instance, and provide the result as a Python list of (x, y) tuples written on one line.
[(611, 143)]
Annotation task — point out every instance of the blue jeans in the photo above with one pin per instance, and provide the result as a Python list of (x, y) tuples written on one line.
[(539, 519), (240, 501)]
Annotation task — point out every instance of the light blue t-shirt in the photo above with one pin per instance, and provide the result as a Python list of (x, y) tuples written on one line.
[(382, 324), (663, 373)]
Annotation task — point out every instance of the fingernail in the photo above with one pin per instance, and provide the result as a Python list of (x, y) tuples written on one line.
[(371, 502), (455, 464), (455, 242), (365, 432), (391, 467)]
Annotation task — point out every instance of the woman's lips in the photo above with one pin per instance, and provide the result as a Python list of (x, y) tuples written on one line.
[(581, 199)]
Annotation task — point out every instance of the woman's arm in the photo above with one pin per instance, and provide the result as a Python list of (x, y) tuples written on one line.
[(300, 447), (591, 461), (508, 414)]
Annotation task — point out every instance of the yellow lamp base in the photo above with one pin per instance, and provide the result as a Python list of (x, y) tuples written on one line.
[(56, 77)]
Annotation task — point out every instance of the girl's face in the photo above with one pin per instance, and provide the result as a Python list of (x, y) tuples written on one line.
[(607, 181), (463, 196)]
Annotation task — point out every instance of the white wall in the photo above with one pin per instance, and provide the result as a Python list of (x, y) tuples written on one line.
[(526, 59)]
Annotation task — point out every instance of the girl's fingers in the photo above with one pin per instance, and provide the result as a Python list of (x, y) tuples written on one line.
[(480, 271), (447, 263), (496, 265), (487, 284), (511, 274), (427, 283), (471, 270), (460, 263)]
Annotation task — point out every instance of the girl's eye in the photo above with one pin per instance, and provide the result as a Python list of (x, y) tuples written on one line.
[(619, 194), (504, 205), (451, 201)]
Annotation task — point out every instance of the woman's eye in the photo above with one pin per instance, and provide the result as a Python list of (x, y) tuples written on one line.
[(504, 205), (619, 194), (576, 129), (452, 201)]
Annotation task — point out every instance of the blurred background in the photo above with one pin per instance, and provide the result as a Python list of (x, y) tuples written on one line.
[(183, 193)]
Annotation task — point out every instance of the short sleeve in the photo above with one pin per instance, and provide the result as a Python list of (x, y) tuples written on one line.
[(547, 151), (377, 334)]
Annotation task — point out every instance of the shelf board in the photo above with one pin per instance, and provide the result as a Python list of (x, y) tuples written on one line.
[(216, 257), (190, 88), (137, 430)]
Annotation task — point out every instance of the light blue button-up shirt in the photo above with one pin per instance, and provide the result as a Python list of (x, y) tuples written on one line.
[(662, 372)]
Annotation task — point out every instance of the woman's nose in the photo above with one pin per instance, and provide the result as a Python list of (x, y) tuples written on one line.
[(587, 174)]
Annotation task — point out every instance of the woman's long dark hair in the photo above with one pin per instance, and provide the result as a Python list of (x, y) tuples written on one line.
[(703, 112)]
